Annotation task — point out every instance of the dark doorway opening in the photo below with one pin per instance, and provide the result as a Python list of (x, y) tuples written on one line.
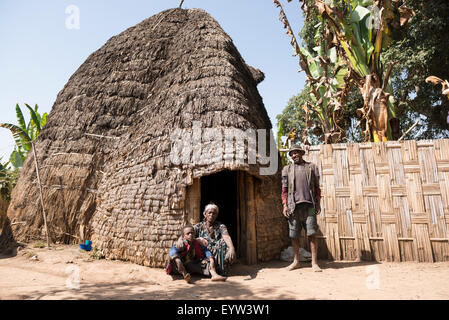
[(221, 189)]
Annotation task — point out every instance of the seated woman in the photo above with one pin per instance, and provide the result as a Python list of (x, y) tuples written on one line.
[(215, 235), (189, 256)]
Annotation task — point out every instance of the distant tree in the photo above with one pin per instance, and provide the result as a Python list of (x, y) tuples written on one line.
[(294, 116)]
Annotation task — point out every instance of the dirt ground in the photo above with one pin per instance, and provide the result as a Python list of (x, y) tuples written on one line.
[(39, 273)]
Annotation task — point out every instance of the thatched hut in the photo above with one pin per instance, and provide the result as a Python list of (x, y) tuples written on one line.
[(106, 152)]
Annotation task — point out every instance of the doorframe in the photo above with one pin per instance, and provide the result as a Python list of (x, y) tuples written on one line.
[(247, 191), (246, 242)]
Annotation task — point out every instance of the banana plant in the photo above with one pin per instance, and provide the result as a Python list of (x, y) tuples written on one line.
[(361, 29), (326, 82), (326, 85), (24, 134)]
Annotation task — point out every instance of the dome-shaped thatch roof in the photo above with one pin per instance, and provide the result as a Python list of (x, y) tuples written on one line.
[(105, 151)]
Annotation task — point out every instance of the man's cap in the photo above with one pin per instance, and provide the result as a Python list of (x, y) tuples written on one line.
[(296, 147)]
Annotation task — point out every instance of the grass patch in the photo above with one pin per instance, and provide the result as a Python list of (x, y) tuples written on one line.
[(96, 254), (39, 245), (29, 254)]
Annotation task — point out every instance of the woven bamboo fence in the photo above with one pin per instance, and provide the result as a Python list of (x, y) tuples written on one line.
[(384, 201)]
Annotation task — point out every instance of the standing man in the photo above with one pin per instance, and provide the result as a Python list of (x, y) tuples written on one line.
[(301, 196)]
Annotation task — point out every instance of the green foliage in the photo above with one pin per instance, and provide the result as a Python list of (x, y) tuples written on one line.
[(421, 51), (8, 180), (363, 32), (39, 245), (24, 134), (326, 75), (293, 116)]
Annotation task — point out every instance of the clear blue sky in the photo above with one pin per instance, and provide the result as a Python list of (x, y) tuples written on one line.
[(38, 53)]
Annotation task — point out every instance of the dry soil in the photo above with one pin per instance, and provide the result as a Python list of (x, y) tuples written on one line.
[(40, 273)]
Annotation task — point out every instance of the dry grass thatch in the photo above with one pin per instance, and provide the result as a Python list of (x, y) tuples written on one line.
[(4, 203), (104, 153)]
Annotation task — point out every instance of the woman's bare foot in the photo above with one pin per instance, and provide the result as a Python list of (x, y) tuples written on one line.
[(218, 278), (293, 266), (316, 268), (187, 277)]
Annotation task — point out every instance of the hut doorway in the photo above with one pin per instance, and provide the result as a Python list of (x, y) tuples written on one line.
[(233, 192), (221, 189)]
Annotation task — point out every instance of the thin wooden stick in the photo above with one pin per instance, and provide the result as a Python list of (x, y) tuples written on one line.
[(40, 192), (100, 136), (70, 235), (409, 129), (180, 4), (20, 222)]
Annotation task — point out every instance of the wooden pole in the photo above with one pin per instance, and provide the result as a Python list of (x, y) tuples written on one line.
[(40, 192), (409, 129)]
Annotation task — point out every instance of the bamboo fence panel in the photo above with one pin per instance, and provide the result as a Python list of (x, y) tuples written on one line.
[(384, 201)]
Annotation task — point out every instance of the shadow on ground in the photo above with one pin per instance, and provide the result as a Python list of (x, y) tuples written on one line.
[(140, 290), (253, 270), (344, 264), (8, 246)]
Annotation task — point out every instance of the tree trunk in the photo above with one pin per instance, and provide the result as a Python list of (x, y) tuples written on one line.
[(375, 106)]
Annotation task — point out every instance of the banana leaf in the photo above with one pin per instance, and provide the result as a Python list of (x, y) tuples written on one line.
[(339, 79), (34, 118), (44, 119), (17, 159), (314, 67), (30, 130), (20, 118), (18, 134), (358, 14), (361, 68), (332, 54)]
